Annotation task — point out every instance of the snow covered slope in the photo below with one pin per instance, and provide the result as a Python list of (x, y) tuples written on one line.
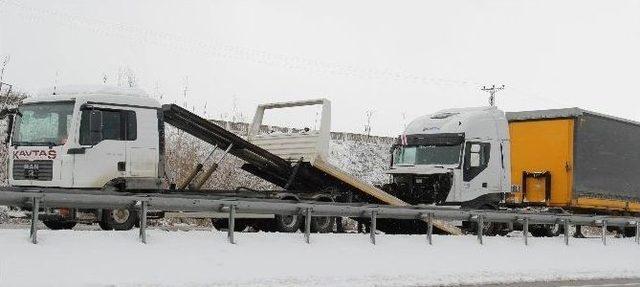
[(204, 258), (366, 159)]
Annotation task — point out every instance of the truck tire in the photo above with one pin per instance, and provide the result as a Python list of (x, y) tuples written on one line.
[(546, 230), (488, 229), (122, 219), (287, 223), (220, 223), (629, 232), (59, 225), (324, 224), (223, 224)]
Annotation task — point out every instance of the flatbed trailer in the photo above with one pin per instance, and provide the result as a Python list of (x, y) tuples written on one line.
[(300, 176)]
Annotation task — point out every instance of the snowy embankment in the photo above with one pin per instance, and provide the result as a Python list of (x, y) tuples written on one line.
[(204, 258)]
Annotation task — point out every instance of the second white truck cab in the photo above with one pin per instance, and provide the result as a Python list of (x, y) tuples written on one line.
[(453, 157)]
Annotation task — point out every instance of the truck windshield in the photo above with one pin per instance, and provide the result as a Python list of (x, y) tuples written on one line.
[(42, 124), (427, 155)]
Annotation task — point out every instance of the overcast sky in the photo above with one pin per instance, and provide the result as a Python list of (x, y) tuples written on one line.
[(399, 59)]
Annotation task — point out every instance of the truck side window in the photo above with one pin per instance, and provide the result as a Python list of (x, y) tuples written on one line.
[(476, 159), (97, 125)]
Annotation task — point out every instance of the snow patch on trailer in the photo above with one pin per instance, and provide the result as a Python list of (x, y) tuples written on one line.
[(204, 258)]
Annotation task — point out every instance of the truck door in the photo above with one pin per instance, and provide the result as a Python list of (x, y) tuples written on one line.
[(103, 137), (142, 147), (476, 174)]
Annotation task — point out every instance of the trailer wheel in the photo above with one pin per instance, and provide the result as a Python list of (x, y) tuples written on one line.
[(287, 223), (122, 219), (59, 225), (324, 224)]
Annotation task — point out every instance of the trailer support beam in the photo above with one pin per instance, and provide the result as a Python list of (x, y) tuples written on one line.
[(372, 227), (35, 208), (142, 215), (232, 224), (307, 226)]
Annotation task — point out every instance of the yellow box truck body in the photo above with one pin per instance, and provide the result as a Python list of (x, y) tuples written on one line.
[(575, 159)]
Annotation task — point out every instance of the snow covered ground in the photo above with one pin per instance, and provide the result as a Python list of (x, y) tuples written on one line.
[(204, 258)]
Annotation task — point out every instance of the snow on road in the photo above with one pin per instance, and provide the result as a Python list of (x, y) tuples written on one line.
[(204, 258)]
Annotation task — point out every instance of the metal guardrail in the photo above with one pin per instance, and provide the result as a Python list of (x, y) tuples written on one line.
[(40, 198)]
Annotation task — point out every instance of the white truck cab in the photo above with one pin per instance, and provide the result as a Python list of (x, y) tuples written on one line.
[(453, 157), (87, 137)]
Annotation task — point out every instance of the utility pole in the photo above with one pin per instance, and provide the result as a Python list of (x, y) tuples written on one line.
[(367, 127), (492, 92)]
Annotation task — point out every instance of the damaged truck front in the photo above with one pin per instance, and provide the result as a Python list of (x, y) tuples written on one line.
[(456, 157)]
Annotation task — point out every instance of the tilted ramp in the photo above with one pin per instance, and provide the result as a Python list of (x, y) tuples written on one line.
[(378, 193)]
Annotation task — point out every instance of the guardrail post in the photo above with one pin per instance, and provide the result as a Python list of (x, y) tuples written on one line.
[(525, 231), (372, 226), (307, 226), (604, 232), (33, 235), (566, 231), (480, 229), (430, 228), (142, 215), (232, 224)]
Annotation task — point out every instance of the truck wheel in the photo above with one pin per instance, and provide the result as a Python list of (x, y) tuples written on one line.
[(554, 230), (287, 223), (59, 225), (122, 219), (630, 232), (220, 223), (547, 230), (323, 224), (488, 228), (223, 224)]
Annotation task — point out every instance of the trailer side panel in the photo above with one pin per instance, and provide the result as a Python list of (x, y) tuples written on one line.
[(607, 158)]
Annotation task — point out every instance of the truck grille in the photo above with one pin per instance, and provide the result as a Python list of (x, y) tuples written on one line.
[(33, 170)]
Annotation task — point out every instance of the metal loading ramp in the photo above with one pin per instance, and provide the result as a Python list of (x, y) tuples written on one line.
[(290, 174), (377, 193)]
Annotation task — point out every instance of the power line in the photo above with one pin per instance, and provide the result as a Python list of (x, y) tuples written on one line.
[(231, 52)]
